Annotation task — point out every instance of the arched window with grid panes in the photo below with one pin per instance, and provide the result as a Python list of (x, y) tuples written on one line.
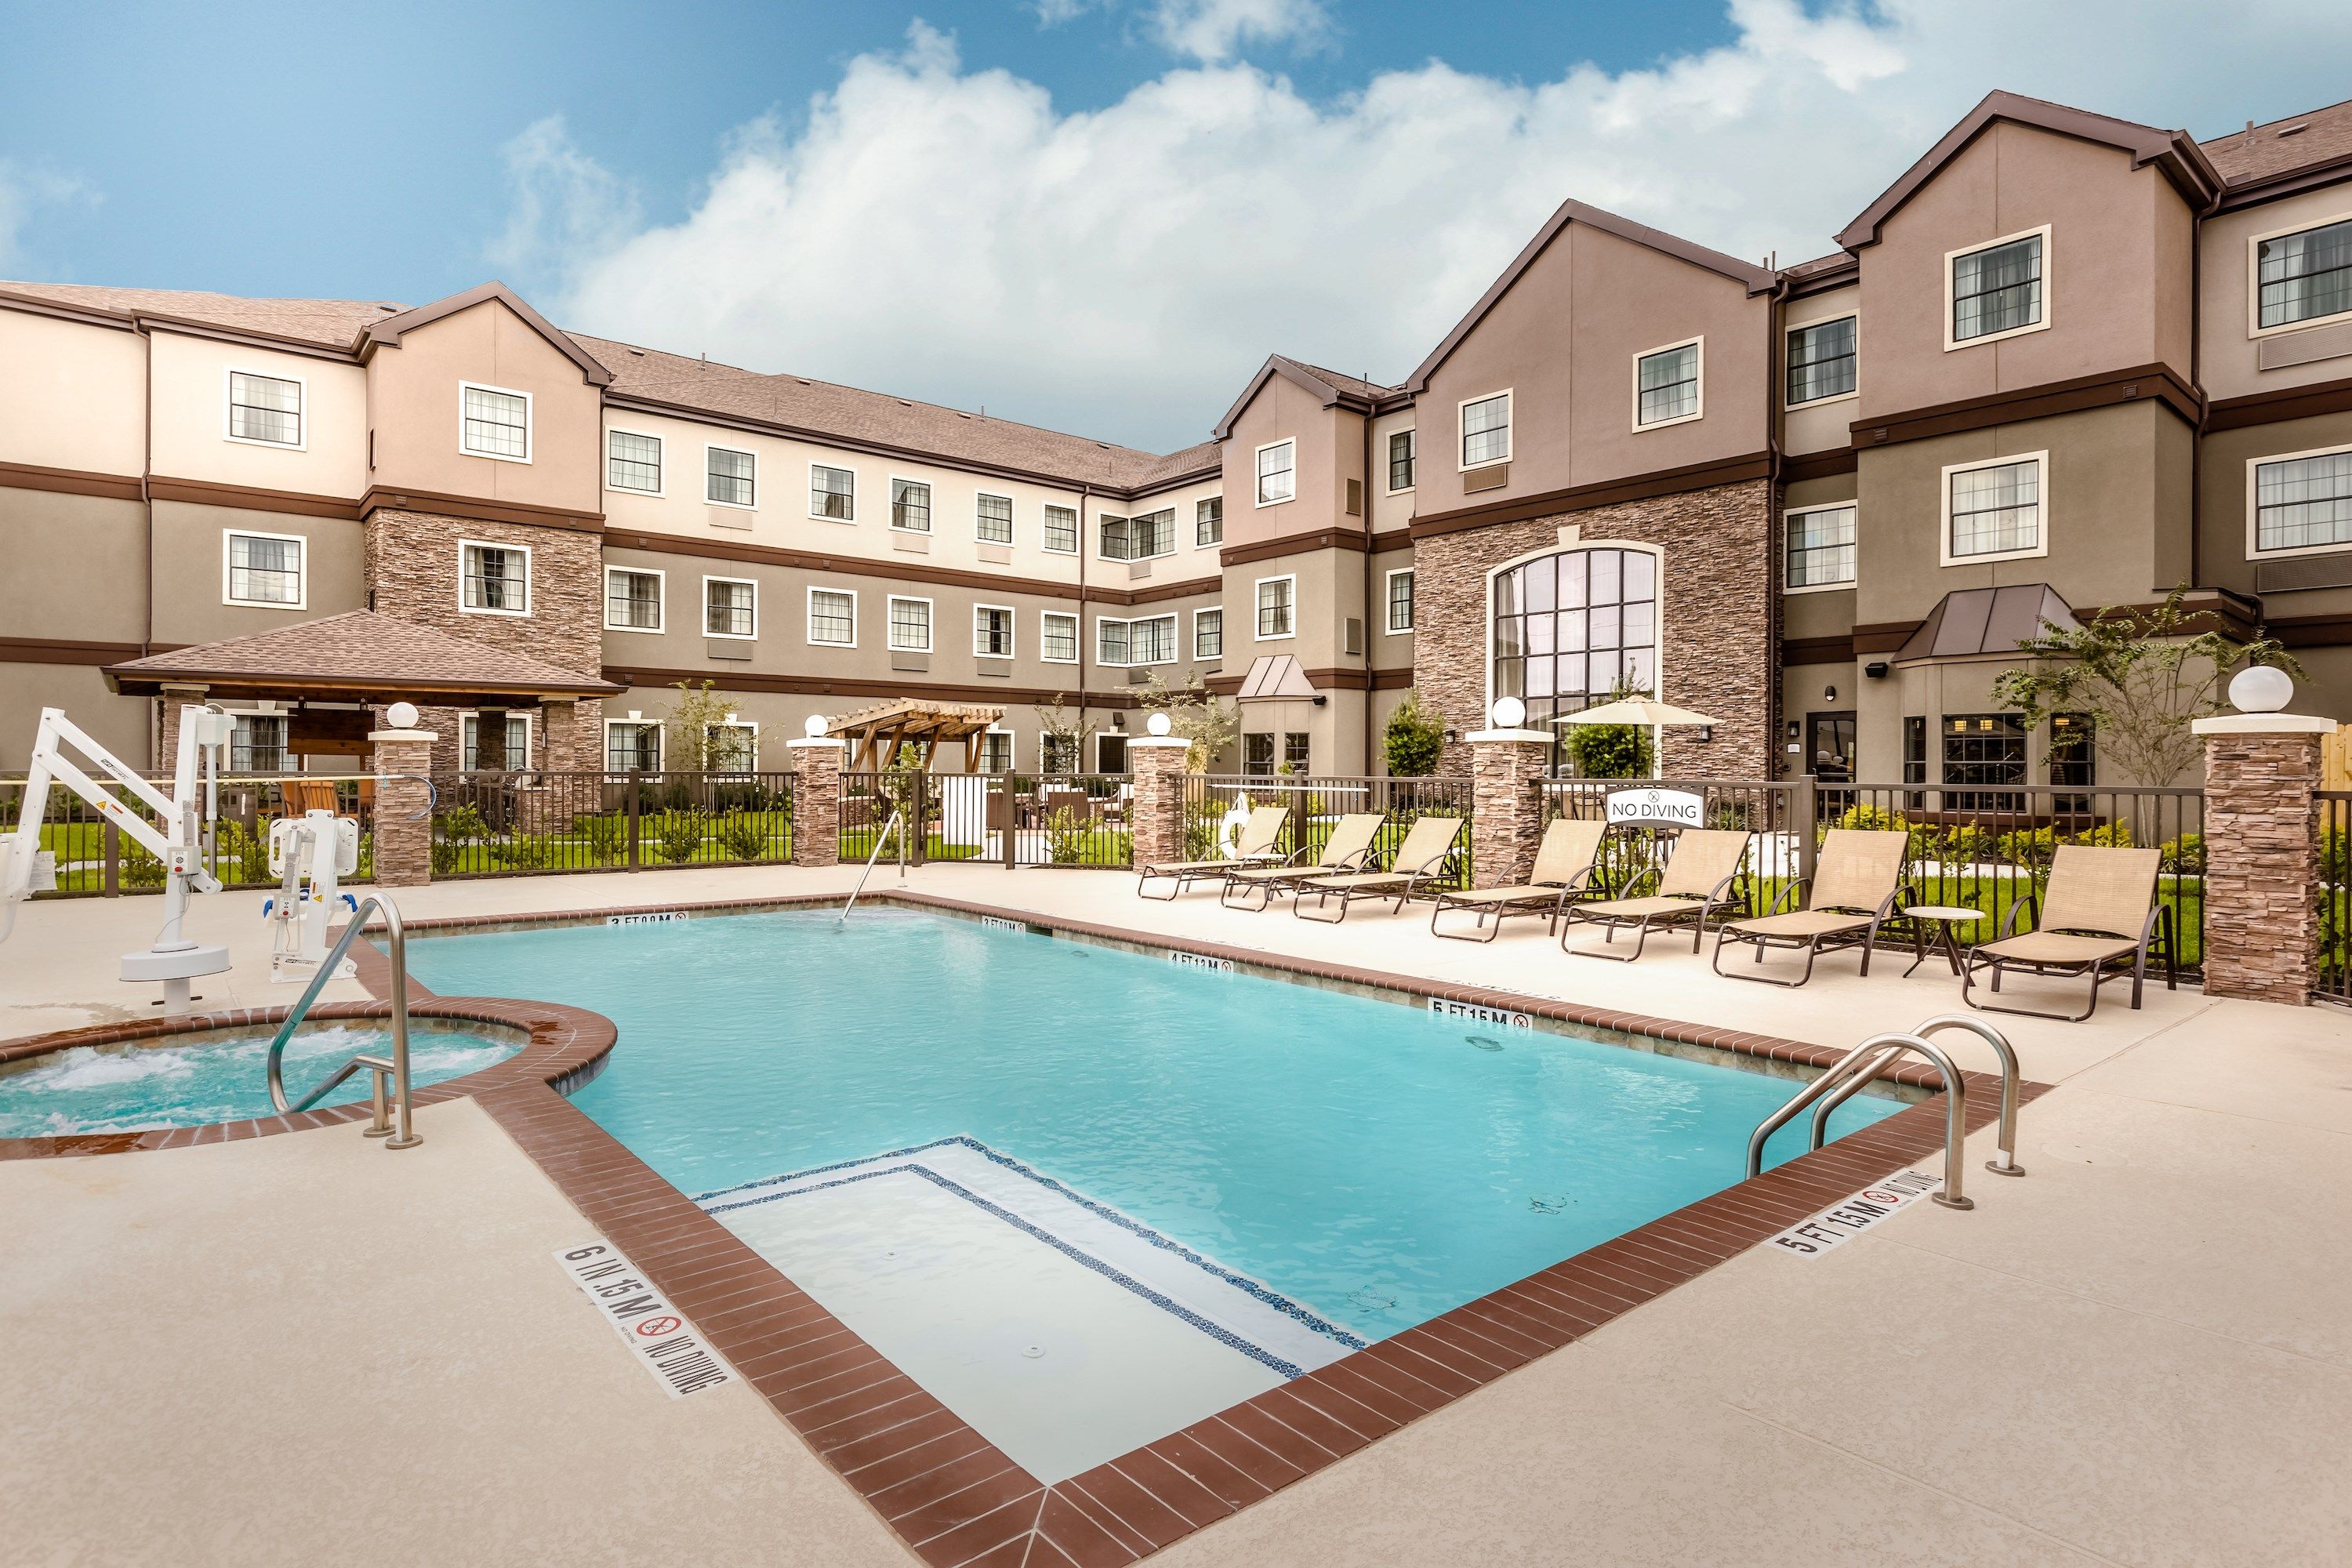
[(1572, 628)]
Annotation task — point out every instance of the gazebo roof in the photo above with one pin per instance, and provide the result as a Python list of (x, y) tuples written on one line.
[(877, 731), (359, 655)]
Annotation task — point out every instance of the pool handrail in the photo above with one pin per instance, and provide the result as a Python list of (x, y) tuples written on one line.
[(405, 1136), (2006, 1165), (879, 839), (1876, 1052)]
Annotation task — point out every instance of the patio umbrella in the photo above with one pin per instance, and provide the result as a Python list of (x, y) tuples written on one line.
[(1635, 710)]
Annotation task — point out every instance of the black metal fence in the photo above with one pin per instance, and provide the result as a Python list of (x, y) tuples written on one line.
[(1027, 819), (2335, 829), (97, 859), (521, 824), (1216, 804)]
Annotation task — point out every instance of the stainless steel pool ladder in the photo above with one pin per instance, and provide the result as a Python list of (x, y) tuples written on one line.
[(392, 1086), (879, 839), (1846, 1077)]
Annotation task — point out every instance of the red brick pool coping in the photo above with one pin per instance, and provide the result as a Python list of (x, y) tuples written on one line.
[(956, 1498)]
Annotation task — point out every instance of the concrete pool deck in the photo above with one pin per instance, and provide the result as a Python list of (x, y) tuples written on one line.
[(2139, 1353)]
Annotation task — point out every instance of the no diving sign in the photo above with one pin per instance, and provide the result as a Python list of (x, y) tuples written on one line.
[(1840, 1223), (664, 1341), (1657, 807)]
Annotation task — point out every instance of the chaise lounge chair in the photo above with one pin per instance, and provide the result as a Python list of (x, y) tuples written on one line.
[(1855, 886), (1567, 866), (1428, 846), (1701, 877), (1254, 846), (1347, 850), (2097, 898)]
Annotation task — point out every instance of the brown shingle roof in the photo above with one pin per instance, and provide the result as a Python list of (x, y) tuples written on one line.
[(2285, 145), (330, 323), (358, 651)]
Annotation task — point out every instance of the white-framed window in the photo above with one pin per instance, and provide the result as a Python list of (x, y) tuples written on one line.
[(1994, 511), (1151, 640), (633, 743), (2302, 276), (518, 755), (992, 519), (832, 618), (832, 493), (1486, 429), (1061, 536), (1819, 547), (910, 624), (2299, 503), (731, 609), (264, 569), (1821, 360), (1115, 540), (1208, 634), (1400, 444), (1208, 522), (992, 631), (1277, 472), (910, 506), (633, 462), (1057, 637), (493, 578), (995, 751), (632, 598), (257, 744), (1667, 388), (493, 422), (1278, 607), (731, 478), (1996, 290), (1400, 599), (266, 410), (1153, 535), (732, 746)]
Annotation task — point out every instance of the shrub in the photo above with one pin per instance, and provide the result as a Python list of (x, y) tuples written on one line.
[(2113, 835), (607, 837), (2333, 849), (1204, 830), (523, 853), (453, 830), (679, 835), (1610, 751), (140, 869), (744, 835), (1415, 740), (2029, 846), (1066, 832), (2185, 856), (1967, 845)]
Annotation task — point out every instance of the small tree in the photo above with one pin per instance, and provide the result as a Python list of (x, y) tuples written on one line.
[(1064, 730), (2143, 678), (1415, 740), (1195, 715), (699, 710), (1612, 751)]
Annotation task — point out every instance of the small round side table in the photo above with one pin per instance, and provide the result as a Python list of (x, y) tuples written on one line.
[(1940, 919)]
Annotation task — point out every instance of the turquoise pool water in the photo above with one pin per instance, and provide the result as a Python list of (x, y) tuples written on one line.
[(1374, 1163), (131, 1089)]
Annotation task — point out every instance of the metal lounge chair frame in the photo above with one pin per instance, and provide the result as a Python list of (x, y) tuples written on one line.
[(1693, 895), (1419, 866), (1838, 911), (1259, 836), (2091, 902), (1270, 880), (1542, 894)]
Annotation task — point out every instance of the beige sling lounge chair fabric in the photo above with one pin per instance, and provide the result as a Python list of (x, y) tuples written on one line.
[(1256, 845), (1428, 846), (1565, 869), (2095, 920), (1699, 878), (1347, 849), (1857, 880)]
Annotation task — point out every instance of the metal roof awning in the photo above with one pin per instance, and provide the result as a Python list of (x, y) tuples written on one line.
[(1969, 623), (358, 656), (1275, 678)]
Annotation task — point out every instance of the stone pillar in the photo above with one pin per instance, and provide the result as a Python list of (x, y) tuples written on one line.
[(1506, 769), (2261, 856), (1157, 814), (816, 800), (167, 748), (403, 826)]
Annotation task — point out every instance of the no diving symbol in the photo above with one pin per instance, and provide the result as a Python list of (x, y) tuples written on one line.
[(654, 1327)]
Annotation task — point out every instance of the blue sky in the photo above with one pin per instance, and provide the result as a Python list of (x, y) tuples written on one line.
[(1098, 215)]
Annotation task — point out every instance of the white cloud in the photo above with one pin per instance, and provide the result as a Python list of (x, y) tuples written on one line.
[(24, 192), (948, 234), (1211, 30)]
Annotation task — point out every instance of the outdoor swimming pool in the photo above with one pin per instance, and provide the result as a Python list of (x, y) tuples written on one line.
[(194, 1080), (1373, 1163)]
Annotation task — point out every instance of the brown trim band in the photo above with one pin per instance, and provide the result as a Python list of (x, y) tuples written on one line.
[(1584, 497), (382, 497), (2133, 386), (2311, 631), (827, 686), (900, 571), (205, 492), (1818, 465), (1884, 637), (1293, 544), (1817, 651), (69, 482), (2286, 183), (65, 651), (2275, 407), (1392, 679)]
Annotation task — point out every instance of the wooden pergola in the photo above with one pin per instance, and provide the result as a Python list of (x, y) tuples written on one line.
[(875, 733)]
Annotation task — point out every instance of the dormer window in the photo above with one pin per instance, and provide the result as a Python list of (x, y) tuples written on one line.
[(495, 423), (1998, 290)]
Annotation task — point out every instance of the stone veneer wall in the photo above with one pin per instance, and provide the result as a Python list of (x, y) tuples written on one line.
[(2262, 869), (412, 566), (1717, 581)]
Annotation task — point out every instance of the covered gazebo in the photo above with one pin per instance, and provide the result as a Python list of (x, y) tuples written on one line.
[(875, 733)]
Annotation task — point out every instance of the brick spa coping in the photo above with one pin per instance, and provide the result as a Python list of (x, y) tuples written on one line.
[(949, 1493)]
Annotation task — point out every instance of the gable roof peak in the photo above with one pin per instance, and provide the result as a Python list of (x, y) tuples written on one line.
[(387, 332)]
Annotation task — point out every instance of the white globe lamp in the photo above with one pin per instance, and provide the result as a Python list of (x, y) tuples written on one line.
[(1157, 724), (401, 716), (2261, 689), (1509, 713), (814, 726)]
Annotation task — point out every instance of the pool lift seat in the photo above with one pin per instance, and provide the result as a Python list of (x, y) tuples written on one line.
[(1847, 1075)]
